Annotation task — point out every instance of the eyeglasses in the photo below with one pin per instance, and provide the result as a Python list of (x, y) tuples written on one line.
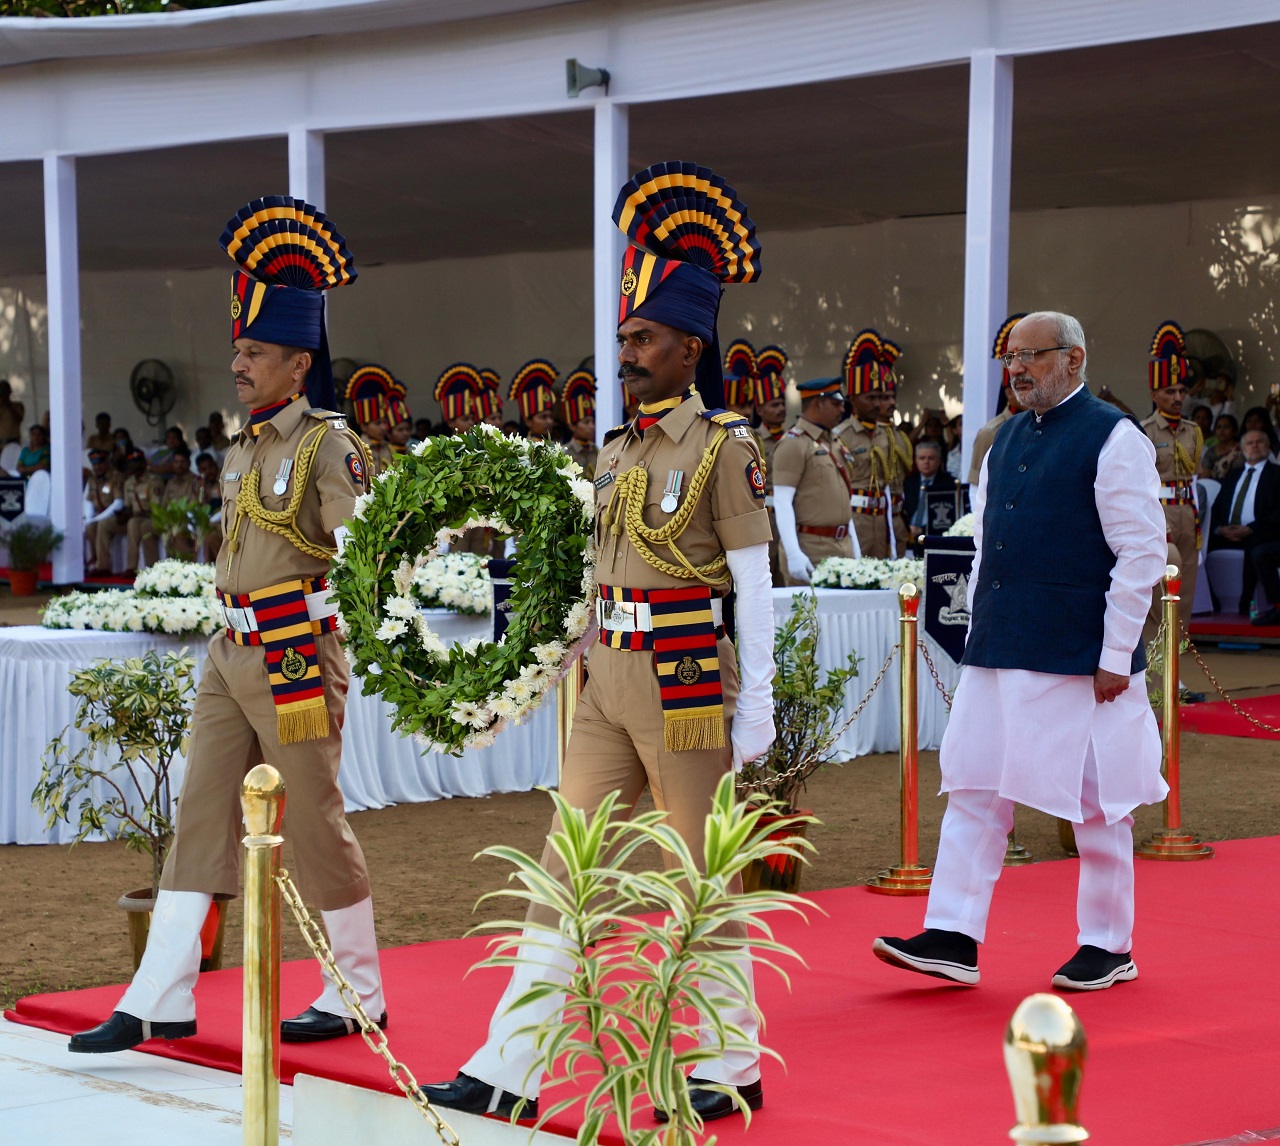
[(1026, 357)]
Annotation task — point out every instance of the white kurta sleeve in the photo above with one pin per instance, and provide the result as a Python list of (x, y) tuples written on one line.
[(1126, 491), (977, 503)]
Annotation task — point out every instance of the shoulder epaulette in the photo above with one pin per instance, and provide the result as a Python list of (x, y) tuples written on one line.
[(794, 432), (334, 416), (726, 418), (611, 434)]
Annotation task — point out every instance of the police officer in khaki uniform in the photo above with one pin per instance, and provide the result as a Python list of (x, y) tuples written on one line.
[(580, 417), (681, 465), (142, 490), (464, 394), (740, 377), (489, 399), (770, 395), (1179, 445), (878, 462), (369, 390), (103, 499), (533, 391), (274, 685), (811, 483), (181, 485), (987, 434)]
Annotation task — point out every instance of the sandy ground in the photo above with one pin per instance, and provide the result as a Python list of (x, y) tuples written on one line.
[(60, 927)]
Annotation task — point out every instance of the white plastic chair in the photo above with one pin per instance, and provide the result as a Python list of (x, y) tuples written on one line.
[(9, 457), (39, 494), (1203, 602)]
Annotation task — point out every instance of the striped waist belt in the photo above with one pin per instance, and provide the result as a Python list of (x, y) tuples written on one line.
[(681, 626), (1177, 495), (285, 620), (836, 531)]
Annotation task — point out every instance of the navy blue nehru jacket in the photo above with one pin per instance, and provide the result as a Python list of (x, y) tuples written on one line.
[(1046, 566)]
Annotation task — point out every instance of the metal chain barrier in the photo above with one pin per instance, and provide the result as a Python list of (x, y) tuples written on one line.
[(1222, 692), (373, 1036), (933, 672)]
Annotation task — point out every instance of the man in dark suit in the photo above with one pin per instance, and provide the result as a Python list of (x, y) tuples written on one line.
[(1247, 513), (929, 476)]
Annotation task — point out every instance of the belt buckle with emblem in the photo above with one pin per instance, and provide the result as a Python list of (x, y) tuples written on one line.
[(622, 618)]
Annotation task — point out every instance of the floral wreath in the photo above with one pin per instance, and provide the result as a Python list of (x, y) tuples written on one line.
[(462, 696)]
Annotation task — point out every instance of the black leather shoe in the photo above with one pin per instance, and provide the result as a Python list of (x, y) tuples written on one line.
[(314, 1026), (1270, 617), (476, 1097), (713, 1104), (942, 954), (122, 1031)]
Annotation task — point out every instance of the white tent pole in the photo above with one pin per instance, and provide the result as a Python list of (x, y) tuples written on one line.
[(611, 172), (986, 251), (306, 165), (62, 268)]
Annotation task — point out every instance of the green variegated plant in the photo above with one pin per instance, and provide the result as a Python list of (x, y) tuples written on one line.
[(629, 1028)]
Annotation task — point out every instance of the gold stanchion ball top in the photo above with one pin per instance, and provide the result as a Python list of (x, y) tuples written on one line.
[(1172, 572), (262, 801), (1045, 1023), (1044, 1053), (907, 591), (909, 600)]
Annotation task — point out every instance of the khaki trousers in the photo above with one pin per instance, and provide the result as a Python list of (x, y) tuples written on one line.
[(142, 534), (1180, 524), (873, 534), (99, 535), (234, 729), (816, 547)]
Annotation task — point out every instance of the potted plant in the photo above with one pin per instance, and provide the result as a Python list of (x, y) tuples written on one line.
[(135, 715), (806, 712), (29, 546), (182, 524)]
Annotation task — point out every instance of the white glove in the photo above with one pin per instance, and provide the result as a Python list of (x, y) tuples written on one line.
[(753, 730), (799, 567)]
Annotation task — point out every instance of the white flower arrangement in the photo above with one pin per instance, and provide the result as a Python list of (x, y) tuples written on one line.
[(962, 528), (174, 597), (457, 581), (868, 573)]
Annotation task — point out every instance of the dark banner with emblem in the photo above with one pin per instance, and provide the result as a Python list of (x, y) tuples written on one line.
[(500, 571), (13, 498), (944, 608)]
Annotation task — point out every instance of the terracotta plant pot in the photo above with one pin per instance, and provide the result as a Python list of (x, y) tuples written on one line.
[(781, 873), (22, 582), (138, 906)]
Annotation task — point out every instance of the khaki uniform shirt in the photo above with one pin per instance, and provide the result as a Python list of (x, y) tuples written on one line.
[(729, 515), (810, 460), (768, 444), (104, 442), (1170, 467), (866, 469), (585, 454), (381, 455), (253, 558), (100, 492), (982, 443), (179, 487), (140, 493)]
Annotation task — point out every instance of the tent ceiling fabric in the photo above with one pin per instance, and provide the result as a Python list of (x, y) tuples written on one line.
[(1139, 123)]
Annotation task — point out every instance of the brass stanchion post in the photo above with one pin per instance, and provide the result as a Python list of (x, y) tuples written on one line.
[(1044, 1052), (262, 800), (1172, 842), (909, 877), (1015, 855)]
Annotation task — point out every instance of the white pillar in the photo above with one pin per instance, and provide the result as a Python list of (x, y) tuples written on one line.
[(612, 170), (62, 270), (986, 252), (306, 165)]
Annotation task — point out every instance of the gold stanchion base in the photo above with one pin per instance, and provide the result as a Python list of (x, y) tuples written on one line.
[(909, 879), (1174, 844), (1015, 855)]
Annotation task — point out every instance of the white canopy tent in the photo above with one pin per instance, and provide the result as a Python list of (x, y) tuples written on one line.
[(84, 98)]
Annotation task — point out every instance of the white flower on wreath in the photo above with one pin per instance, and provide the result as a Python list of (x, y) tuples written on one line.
[(502, 707), (390, 629), (537, 676), (402, 607), (519, 691), (362, 505), (585, 492), (551, 653), (473, 716), (577, 620)]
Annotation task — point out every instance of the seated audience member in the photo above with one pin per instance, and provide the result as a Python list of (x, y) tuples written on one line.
[(103, 500), (159, 465), (182, 485), (1224, 455), (11, 415), (102, 438), (141, 490), (122, 447), (954, 444), (219, 432), (1203, 417), (1257, 418), (35, 454), (1246, 513), (929, 476), (209, 492), (204, 445)]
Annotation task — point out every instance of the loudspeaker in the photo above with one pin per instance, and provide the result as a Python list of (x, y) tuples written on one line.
[(578, 76)]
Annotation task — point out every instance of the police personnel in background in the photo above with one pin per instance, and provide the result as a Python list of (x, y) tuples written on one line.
[(580, 417), (987, 434), (399, 418), (1179, 445), (489, 399), (770, 397), (811, 483), (740, 377), (368, 390), (533, 392), (463, 393), (103, 500), (876, 459), (142, 490), (182, 485), (680, 521), (291, 479)]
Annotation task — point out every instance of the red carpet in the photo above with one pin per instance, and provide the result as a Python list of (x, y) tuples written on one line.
[(1219, 719), (878, 1057), (1233, 625)]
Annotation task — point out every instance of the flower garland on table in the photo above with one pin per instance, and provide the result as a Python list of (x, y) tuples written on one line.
[(962, 528), (174, 597), (867, 573), (456, 697), (457, 581)]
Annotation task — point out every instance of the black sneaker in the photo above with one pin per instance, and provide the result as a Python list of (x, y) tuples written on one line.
[(949, 955), (1093, 969)]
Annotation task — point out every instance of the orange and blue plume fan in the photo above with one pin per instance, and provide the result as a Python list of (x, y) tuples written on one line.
[(459, 374), (772, 360), (681, 211), (1001, 345), (1168, 365), (370, 380), (740, 359), (1168, 341), (864, 350), (288, 242), (537, 372), (890, 352)]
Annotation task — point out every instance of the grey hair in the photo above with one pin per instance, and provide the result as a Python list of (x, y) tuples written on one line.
[(930, 444), (1067, 331)]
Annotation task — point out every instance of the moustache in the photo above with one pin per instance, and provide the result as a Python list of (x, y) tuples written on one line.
[(626, 372)]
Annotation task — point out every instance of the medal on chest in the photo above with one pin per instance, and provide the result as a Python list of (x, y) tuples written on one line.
[(282, 477), (671, 493)]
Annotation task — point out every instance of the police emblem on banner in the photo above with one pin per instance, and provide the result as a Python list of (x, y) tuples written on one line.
[(948, 561), (13, 498)]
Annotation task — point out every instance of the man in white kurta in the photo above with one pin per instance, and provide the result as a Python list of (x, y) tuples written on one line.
[(1081, 747)]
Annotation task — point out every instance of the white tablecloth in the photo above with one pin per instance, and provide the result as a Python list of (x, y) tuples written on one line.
[(380, 767)]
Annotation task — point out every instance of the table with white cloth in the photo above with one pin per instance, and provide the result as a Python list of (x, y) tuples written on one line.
[(381, 767)]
